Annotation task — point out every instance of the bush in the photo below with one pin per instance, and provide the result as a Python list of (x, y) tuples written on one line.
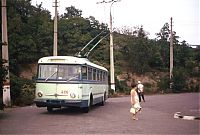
[(26, 95), (148, 89), (163, 84), (22, 91), (110, 93), (3, 72), (180, 78), (121, 86)]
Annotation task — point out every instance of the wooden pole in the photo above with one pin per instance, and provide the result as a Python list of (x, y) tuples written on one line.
[(55, 46), (171, 53), (5, 56)]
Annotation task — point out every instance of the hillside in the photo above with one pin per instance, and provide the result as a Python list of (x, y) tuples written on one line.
[(150, 80), (28, 71)]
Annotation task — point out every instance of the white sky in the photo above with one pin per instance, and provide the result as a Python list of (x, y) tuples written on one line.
[(152, 14)]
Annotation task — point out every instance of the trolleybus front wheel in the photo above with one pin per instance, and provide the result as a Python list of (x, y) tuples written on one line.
[(87, 109)]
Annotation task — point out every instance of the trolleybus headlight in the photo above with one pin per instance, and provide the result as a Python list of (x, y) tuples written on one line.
[(72, 95), (39, 94)]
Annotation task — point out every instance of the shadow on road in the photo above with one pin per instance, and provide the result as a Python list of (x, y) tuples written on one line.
[(69, 111)]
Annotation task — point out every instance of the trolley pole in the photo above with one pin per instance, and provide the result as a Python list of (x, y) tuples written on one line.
[(55, 46), (171, 54), (6, 83), (112, 69)]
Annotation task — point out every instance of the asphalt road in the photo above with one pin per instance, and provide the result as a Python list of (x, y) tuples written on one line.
[(113, 118)]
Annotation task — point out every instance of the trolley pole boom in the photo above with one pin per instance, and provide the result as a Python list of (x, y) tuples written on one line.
[(87, 53), (79, 53)]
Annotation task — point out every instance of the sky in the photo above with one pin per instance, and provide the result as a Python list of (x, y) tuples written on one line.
[(151, 14)]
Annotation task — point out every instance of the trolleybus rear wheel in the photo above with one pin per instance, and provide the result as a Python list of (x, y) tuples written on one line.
[(49, 109), (103, 100)]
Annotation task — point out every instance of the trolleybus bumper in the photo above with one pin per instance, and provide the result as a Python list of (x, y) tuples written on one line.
[(61, 103)]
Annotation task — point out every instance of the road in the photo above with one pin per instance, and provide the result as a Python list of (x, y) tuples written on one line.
[(113, 118)]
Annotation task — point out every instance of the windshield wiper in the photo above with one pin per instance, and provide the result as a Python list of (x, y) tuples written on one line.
[(51, 75), (73, 77)]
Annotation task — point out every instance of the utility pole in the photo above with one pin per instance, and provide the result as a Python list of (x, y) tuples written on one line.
[(112, 69), (6, 83), (55, 46), (171, 54)]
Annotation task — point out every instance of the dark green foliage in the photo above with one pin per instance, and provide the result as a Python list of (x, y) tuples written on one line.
[(30, 31), (148, 88), (122, 87), (138, 52), (180, 78), (3, 73), (22, 91), (164, 84), (72, 12)]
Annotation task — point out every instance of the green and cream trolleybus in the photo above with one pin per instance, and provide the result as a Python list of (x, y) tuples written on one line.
[(64, 81)]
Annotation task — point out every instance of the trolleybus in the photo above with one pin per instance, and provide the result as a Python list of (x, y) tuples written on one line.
[(64, 81)]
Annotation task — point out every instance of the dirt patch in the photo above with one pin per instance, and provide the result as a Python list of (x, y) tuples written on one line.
[(150, 79), (28, 71)]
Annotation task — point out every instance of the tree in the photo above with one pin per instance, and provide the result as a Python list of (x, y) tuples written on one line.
[(163, 41), (28, 29), (73, 34), (164, 33), (138, 52), (72, 12), (156, 60)]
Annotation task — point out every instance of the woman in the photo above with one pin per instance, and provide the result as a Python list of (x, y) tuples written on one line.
[(135, 104)]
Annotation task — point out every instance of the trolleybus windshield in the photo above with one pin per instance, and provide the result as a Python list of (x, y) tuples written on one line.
[(59, 72)]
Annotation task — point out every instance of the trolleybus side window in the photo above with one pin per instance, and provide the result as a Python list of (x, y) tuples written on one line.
[(84, 73), (98, 75), (94, 74), (89, 73), (104, 76)]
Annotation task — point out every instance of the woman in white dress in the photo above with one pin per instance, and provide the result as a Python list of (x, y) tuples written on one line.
[(135, 104)]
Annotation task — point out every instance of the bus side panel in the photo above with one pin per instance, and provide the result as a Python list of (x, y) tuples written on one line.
[(86, 91), (98, 91)]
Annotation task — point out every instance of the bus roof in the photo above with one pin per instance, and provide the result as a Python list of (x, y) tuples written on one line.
[(68, 60)]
